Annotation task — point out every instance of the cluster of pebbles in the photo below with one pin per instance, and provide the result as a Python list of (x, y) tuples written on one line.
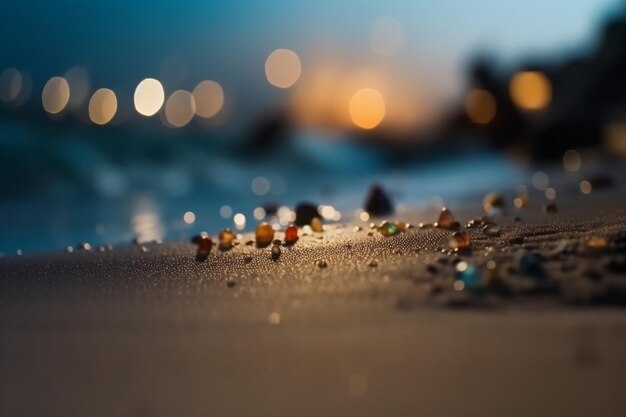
[(483, 261)]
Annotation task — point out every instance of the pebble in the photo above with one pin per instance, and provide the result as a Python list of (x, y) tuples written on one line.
[(291, 234), (264, 234), (446, 220), (377, 202), (373, 263), (305, 213), (316, 225), (388, 229), (226, 239), (204, 248), (597, 242), (231, 283), (322, 264), (460, 240), (275, 252), (491, 230)]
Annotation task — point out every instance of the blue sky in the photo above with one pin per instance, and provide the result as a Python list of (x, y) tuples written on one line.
[(121, 41)]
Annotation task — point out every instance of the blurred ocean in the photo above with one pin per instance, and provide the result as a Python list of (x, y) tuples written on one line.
[(63, 186)]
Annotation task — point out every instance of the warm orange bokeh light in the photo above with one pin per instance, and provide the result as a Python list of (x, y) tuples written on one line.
[(209, 98), (480, 106), (149, 97), (55, 95), (530, 90), (102, 106), (367, 108), (180, 108), (283, 68)]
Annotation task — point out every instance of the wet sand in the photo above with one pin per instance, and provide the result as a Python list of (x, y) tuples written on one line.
[(381, 330)]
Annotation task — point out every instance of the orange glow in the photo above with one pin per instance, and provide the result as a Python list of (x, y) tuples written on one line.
[(283, 68), (530, 90), (180, 108), (209, 98), (55, 95), (149, 97), (102, 106), (480, 106), (367, 108)]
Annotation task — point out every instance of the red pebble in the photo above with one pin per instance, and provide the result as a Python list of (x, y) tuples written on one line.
[(291, 234), (204, 248)]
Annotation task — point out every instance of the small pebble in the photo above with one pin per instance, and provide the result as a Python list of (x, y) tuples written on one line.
[(204, 248), (322, 264), (264, 234), (226, 239), (373, 263), (276, 252), (388, 229), (491, 230), (460, 240), (316, 225), (446, 220), (597, 242), (247, 259), (291, 234), (231, 283)]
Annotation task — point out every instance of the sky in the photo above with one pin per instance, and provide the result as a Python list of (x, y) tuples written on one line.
[(119, 42)]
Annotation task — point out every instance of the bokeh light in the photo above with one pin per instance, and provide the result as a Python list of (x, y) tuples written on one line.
[(367, 108), (530, 90), (55, 95), (180, 108), (149, 97), (209, 98), (102, 106), (387, 37), (10, 85), (283, 68), (572, 160), (480, 106)]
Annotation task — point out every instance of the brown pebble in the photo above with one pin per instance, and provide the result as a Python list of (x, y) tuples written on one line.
[(230, 283), (322, 264), (460, 240), (291, 234), (446, 220), (316, 225), (276, 252), (264, 234), (374, 263), (226, 239)]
